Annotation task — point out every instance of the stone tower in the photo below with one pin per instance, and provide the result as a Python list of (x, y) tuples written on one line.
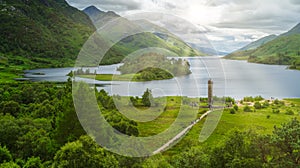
[(210, 93)]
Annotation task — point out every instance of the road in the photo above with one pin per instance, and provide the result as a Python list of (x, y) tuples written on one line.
[(183, 132)]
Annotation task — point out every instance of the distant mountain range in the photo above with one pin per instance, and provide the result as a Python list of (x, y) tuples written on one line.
[(154, 37), (40, 33), (281, 50), (209, 51)]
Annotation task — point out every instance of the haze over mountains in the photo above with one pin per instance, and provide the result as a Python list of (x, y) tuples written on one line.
[(50, 33), (282, 50), (151, 36)]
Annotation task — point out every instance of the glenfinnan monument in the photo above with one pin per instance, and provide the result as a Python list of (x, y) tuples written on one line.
[(210, 93)]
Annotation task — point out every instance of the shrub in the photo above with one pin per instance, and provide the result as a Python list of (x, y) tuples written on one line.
[(232, 111), (247, 109), (289, 112), (265, 104), (257, 105), (236, 108), (268, 116), (276, 111), (258, 98)]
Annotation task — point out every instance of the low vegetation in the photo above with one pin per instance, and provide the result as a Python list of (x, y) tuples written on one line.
[(39, 128)]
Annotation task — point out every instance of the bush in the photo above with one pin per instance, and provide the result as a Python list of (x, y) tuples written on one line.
[(265, 104), (268, 116), (248, 99), (289, 112), (258, 98), (257, 105), (247, 109), (232, 111), (236, 108), (276, 111)]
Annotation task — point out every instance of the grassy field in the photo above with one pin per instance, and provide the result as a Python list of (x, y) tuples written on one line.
[(261, 121)]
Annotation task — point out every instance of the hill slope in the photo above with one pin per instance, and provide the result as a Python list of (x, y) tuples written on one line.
[(258, 43), (283, 50), (41, 33), (154, 38)]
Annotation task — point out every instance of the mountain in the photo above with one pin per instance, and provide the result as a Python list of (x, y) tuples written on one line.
[(244, 52), (207, 50), (155, 36), (92, 11), (99, 17), (283, 50), (294, 30), (254, 45), (41, 33)]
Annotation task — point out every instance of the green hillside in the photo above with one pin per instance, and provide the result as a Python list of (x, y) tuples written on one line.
[(254, 45), (42, 32), (139, 41), (284, 50)]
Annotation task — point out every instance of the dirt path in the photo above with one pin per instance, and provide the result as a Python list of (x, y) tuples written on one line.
[(183, 132)]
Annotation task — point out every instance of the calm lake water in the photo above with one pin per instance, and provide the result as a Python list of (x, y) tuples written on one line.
[(231, 78)]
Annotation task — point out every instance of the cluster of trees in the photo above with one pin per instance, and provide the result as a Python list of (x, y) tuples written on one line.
[(39, 128), (146, 100), (253, 99), (296, 63), (154, 66), (81, 71)]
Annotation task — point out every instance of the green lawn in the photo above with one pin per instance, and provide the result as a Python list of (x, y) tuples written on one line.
[(257, 121)]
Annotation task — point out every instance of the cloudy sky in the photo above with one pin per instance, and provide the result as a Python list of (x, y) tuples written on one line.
[(228, 24)]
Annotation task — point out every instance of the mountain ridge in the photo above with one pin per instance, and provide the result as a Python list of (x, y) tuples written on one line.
[(151, 36), (283, 50)]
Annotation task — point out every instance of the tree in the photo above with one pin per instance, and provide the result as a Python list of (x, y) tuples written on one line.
[(147, 98), (9, 131), (68, 127), (83, 153), (10, 107), (192, 158), (156, 161), (236, 151), (286, 139), (36, 142)]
